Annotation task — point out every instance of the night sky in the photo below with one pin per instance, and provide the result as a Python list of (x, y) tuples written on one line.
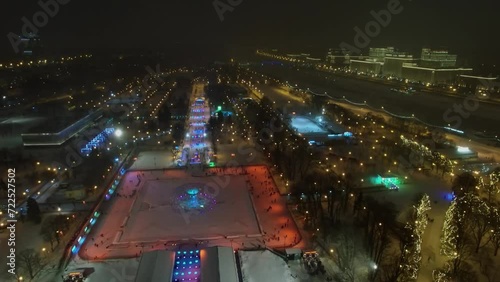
[(469, 28)]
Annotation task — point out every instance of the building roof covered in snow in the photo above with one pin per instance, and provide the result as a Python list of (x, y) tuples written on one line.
[(210, 264), (155, 266), (218, 264)]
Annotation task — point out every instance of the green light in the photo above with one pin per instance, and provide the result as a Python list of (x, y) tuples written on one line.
[(211, 164), (219, 108), (387, 181)]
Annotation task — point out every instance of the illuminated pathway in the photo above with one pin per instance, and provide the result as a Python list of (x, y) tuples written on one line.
[(197, 149)]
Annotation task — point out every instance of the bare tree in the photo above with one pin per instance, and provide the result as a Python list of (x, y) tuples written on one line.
[(479, 220), (391, 270), (30, 261), (491, 271), (344, 256), (464, 183), (48, 235)]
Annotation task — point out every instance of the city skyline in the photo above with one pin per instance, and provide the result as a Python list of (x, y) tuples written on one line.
[(322, 25), (249, 141)]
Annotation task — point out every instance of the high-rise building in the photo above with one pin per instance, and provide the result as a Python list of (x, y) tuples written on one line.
[(393, 64), (340, 57), (433, 66), (437, 59), (30, 45), (380, 53), (382, 60)]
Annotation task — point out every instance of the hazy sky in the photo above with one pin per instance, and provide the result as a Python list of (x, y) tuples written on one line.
[(468, 27)]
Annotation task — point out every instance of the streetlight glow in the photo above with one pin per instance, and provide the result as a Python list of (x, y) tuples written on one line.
[(118, 133)]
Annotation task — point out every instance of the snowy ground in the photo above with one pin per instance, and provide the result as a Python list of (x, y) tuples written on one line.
[(122, 270), (438, 192), (153, 160), (305, 125), (144, 215), (265, 266), (155, 213)]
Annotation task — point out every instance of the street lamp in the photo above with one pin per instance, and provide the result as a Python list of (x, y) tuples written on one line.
[(118, 133)]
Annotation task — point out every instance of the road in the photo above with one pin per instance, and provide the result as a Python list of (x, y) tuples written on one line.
[(434, 109), (282, 97)]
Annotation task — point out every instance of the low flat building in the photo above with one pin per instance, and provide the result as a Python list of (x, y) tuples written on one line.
[(210, 264), (413, 72), (458, 153), (366, 66), (60, 137), (481, 86)]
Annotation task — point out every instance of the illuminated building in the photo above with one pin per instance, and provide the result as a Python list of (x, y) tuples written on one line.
[(481, 86), (210, 264), (414, 72), (433, 66), (30, 45), (437, 59), (340, 57), (386, 60)]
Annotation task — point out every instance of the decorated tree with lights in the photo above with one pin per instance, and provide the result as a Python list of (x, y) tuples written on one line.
[(495, 229), (456, 238), (479, 219), (412, 250), (491, 186)]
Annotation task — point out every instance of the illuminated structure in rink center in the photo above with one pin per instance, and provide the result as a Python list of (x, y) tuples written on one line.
[(194, 198)]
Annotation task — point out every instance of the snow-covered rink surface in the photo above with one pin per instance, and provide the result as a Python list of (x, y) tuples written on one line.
[(153, 160), (156, 214), (305, 125), (243, 210)]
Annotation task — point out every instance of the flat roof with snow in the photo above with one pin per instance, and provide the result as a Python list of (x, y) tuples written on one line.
[(218, 264), (210, 264), (155, 266)]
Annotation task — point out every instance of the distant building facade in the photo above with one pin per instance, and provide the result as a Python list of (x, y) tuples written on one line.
[(31, 45), (433, 66), (414, 72), (340, 57), (437, 59), (481, 86)]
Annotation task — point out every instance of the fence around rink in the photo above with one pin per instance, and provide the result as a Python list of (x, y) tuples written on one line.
[(79, 239)]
